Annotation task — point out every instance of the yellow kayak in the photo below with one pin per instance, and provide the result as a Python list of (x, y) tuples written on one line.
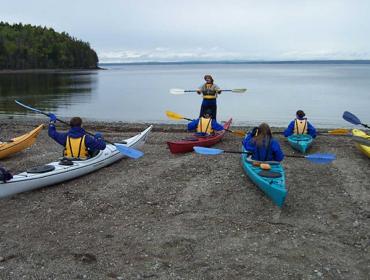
[(362, 148), (19, 143)]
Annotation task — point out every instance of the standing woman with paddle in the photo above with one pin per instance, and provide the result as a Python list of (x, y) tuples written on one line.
[(261, 144), (210, 92)]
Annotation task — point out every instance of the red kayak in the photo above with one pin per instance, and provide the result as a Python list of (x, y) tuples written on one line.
[(186, 145)]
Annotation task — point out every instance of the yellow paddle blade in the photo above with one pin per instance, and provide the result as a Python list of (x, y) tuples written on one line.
[(240, 133), (339, 131), (174, 116)]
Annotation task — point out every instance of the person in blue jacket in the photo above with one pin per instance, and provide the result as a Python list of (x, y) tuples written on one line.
[(205, 125), (261, 144), (300, 125), (78, 145)]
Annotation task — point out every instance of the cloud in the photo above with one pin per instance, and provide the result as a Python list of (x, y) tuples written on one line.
[(167, 55), (161, 54)]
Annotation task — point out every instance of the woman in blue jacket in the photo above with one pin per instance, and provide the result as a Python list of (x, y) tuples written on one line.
[(261, 144)]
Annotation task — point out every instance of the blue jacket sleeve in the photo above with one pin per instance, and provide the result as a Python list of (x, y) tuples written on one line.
[(60, 138), (216, 125), (277, 153), (193, 125), (94, 144), (290, 129), (311, 130), (248, 144)]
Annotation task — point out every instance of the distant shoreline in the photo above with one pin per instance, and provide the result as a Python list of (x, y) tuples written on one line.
[(47, 71), (238, 62)]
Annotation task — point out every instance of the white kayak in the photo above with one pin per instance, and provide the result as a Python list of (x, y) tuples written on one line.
[(33, 179)]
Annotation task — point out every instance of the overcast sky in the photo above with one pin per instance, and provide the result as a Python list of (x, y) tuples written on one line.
[(165, 30)]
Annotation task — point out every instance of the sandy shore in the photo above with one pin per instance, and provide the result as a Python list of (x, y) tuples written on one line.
[(168, 216)]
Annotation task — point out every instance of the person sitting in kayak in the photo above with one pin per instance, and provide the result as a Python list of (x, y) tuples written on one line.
[(210, 92), (205, 125), (261, 144), (300, 126), (78, 145)]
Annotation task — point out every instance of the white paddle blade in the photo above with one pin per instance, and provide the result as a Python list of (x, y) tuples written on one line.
[(239, 90), (177, 91)]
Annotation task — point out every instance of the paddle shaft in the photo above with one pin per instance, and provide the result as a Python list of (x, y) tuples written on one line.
[(59, 120), (191, 90), (248, 153)]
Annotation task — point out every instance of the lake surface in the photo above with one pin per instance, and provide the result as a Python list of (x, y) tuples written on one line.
[(140, 93)]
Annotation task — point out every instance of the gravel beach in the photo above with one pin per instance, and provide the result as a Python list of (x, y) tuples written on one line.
[(186, 216)]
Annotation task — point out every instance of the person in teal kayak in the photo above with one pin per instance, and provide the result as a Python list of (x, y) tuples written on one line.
[(205, 125), (300, 125), (261, 145), (210, 92), (78, 145)]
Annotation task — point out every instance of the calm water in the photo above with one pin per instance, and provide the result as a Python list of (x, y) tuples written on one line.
[(140, 93)]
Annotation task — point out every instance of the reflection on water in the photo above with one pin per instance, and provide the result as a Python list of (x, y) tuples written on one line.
[(46, 91), (141, 92)]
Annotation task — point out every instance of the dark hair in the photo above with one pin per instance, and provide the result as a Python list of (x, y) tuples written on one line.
[(300, 113), (208, 76), (207, 112), (75, 122), (263, 132)]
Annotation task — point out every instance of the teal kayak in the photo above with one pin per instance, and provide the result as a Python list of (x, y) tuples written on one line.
[(271, 182), (300, 142)]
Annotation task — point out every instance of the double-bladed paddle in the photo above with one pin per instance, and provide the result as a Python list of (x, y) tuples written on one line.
[(127, 151), (176, 116), (180, 91), (349, 117), (315, 158)]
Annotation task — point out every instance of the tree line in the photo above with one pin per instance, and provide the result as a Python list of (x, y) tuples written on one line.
[(24, 46)]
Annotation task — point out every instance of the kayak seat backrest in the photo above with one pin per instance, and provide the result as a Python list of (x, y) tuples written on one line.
[(41, 169), (66, 161), (269, 174)]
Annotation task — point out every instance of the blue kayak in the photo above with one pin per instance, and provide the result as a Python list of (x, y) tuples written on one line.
[(300, 142), (271, 182)]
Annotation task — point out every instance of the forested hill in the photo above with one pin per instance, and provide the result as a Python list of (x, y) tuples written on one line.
[(36, 47)]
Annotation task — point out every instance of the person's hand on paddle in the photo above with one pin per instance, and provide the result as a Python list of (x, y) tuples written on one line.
[(98, 136), (53, 118), (199, 91)]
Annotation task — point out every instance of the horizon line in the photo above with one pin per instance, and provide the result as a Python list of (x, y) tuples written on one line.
[(317, 61)]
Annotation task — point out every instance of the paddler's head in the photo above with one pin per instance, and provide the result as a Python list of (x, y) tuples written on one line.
[(263, 133), (207, 114), (75, 122), (300, 114), (208, 79)]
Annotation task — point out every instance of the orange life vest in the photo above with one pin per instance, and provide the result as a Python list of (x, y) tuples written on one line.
[(300, 126), (205, 125), (76, 148)]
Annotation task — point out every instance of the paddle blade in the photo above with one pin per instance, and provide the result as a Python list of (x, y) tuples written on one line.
[(130, 152), (349, 117), (321, 158), (28, 107), (177, 91), (339, 131), (240, 133), (239, 90), (174, 116), (207, 151)]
